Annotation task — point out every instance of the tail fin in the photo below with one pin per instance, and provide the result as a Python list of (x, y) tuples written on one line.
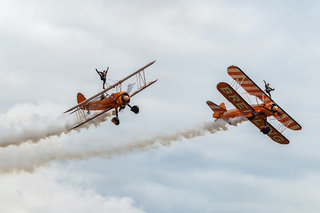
[(218, 109), (80, 98)]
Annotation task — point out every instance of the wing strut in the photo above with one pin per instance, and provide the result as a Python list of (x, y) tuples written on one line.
[(231, 95), (89, 119), (115, 85), (250, 87)]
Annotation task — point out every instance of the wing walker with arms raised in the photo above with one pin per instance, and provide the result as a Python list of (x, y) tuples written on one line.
[(117, 100), (257, 113)]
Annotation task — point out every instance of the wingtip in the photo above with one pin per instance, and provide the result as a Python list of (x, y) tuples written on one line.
[(220, 84), (233, 67), (285, 142)]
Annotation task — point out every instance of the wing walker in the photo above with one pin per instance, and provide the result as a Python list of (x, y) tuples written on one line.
[(257, 113), (103, 102)]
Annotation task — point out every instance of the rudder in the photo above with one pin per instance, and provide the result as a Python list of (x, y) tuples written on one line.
[(80, 98)]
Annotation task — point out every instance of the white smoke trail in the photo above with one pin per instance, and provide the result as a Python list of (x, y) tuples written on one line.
[(29, 157), (33, 122)]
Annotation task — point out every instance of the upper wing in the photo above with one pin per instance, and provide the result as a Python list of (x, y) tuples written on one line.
[(231, 95), (110, 87), (287, 120), (248, 85)]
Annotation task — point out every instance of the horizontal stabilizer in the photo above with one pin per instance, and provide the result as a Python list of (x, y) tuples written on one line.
[(217, 108)]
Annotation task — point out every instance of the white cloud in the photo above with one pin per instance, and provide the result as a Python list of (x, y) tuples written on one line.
[(49, 50), (47, 191)]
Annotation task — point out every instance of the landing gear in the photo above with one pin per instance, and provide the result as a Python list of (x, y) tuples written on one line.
[(265, 130), (115, 120), (135, 109)]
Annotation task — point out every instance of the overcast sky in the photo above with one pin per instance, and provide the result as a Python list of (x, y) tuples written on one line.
[(49, 51)]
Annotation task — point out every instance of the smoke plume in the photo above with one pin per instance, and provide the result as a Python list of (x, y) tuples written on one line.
[(33, 122), (29, 157)]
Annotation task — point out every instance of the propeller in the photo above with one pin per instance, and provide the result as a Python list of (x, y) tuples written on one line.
[(130, 87)]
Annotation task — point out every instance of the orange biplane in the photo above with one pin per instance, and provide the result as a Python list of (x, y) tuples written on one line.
[(257, 113), (105, 102)]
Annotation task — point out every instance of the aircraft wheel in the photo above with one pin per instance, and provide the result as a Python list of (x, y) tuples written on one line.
[(135, 109), (115, 120), (266, 130)]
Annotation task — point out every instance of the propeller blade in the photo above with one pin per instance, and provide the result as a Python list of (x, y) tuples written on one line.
[(130, 87)]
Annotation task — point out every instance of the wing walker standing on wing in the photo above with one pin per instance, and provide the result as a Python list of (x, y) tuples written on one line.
[(117, 100), (257, 113), (103, 76), (268, 89)]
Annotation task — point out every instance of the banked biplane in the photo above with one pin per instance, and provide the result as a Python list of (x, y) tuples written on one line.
[(103, 102), (257, 113)]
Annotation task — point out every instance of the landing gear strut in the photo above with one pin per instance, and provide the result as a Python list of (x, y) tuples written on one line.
[(116, 120), (265, 129), (134, 109)]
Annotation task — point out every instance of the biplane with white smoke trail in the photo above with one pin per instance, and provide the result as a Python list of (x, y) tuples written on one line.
[(256, 113), (117, 100)]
